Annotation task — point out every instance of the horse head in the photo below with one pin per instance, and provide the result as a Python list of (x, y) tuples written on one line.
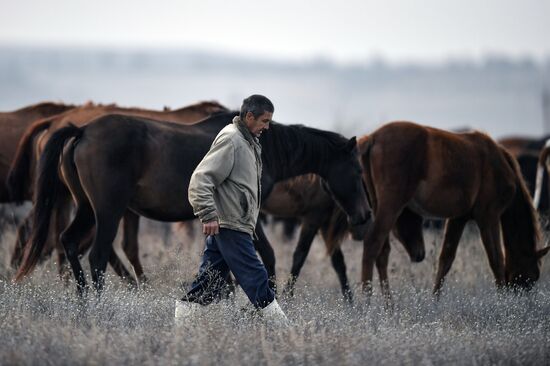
[(408, 230), (522, 273), (343, 176)]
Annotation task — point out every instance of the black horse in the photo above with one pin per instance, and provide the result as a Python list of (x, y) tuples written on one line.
[(119, 163)]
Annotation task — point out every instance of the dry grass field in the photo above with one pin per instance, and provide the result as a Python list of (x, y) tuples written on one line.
[(43, 321)]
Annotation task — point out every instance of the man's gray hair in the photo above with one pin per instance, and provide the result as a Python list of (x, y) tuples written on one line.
[(256, 104)]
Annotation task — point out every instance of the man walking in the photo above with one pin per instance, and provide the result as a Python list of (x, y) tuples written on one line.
[(224, 192)]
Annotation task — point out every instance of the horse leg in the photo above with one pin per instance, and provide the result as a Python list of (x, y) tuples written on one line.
[(114, 260), (102, 248), (490, 237), (119, 268), (307, 234), (266, 253), (382, 268), (70, 238), (374, 241), (130, 245), (339, 265), (453, 232)]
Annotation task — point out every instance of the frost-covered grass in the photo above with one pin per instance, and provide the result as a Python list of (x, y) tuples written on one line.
[(42, 321)]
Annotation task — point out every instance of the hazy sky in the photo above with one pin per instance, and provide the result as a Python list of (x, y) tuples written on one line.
[(344, 30)]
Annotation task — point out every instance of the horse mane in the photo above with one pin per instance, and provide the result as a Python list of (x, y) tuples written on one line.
[(521, 217), (225, 117), (284, 146)]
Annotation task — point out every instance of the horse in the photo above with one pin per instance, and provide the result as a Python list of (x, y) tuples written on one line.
[(118, 162), (20, 178), (12, 128), (307, 198), (527, 150), (459, 177), (517, 145)]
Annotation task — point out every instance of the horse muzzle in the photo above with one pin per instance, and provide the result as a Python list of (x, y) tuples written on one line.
[(418, 256), (358, 231)]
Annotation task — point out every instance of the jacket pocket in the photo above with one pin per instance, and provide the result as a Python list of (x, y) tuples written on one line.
[(246, 205)]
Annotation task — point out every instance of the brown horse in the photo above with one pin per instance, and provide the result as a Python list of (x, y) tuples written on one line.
[(120, 162), (306, 197), (12, 128), (456, 176), (20, 179)]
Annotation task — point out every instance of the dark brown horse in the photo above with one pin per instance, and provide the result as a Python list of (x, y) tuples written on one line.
[(20, 179), (527, 151), (460, 177), (119, 162), (12, 128), (306, 197)]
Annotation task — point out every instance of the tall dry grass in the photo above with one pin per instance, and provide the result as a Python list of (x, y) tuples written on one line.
[(43, 322)]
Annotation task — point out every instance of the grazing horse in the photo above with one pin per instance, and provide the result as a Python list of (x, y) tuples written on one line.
[(12, 128), (20, 179), (455, 176), (306, 197), (120, 162)]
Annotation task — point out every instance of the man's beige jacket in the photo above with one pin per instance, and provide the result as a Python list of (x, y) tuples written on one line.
[(225, 186)]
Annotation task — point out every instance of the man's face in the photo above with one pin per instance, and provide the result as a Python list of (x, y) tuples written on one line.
[(257, 125)]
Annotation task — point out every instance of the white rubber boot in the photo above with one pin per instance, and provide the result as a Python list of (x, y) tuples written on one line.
[(186, 312), (274, 315)]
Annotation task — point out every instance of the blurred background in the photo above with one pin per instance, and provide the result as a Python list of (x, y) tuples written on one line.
[(348, 66)]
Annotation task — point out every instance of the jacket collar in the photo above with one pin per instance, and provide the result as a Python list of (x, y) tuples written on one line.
[(241, 126)]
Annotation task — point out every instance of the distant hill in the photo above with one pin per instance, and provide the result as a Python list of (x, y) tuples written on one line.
[(498, 95)]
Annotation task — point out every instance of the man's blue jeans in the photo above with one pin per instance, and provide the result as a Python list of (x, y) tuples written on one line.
[(233, 251)]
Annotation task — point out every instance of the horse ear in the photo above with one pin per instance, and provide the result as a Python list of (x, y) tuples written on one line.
[(541, 253), (351, 144)]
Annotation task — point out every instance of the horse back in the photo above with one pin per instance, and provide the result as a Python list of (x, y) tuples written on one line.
[(397, 149), (440, 173), (149, 161)]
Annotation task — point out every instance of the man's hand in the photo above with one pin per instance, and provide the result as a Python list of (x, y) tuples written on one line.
[(211, 228)]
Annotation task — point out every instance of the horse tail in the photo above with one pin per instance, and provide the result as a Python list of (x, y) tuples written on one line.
[(365, 146), (336, 229), (543, 157), (520, 224), (47, 190), (19, 176)]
